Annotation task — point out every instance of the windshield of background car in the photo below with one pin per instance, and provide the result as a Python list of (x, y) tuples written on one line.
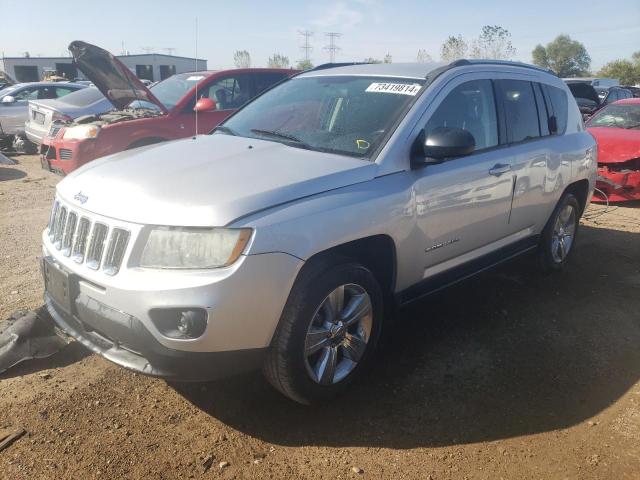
[(171, 90), (618, 116), (340, 114)]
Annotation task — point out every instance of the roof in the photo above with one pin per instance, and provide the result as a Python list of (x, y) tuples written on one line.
[(46, 84), (69, 59), (408, 70), (627, 101)]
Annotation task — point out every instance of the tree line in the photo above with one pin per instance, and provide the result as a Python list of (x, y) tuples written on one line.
[(563, 55)]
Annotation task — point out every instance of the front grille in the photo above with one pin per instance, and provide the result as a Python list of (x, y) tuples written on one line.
[(87, 242), (65, 154)]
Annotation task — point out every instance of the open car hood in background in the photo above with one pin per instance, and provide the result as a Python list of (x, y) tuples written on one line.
[(584, 90), (111, 76)]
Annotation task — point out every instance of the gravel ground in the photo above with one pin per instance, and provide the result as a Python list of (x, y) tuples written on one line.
[(510, 375)]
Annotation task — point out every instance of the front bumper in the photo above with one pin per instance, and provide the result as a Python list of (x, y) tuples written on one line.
[(112, 315), (619, 185), (125, 341)]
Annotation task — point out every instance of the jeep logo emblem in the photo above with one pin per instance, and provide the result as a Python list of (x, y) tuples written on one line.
[(81, 197)]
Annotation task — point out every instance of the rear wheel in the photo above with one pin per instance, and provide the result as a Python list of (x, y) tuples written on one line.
[(327, 334), (559, 235)]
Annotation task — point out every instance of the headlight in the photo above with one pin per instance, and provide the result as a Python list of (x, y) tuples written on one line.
[(80, 132), (170, 247)]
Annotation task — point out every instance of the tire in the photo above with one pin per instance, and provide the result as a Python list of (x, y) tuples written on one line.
[(310, 335), (559, 235)]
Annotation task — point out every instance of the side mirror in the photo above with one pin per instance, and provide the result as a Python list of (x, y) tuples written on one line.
[(204, 105), (443, 143), (8, 99)]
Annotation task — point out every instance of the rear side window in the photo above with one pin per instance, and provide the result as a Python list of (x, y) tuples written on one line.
[(520, 110), (559, 106), (263, 81), (470, 106)]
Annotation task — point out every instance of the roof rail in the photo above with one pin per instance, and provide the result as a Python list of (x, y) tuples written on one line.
[(324, 66), (433, 74), (506, 63)]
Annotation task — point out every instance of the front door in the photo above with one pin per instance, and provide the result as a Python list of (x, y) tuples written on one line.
[(228, 92), (463, 204)]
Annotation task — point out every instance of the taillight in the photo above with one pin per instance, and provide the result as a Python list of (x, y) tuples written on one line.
[(61, 117)]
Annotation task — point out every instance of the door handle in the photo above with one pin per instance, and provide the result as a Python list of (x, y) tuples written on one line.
[(499, 168)]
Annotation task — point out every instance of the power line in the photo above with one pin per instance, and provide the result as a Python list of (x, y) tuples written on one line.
[(306, 47), (332, 48)]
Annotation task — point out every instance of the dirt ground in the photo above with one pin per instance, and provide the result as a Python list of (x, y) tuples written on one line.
[(511, 375)]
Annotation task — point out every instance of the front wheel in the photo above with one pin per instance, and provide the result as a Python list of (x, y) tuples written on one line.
[(328, 332), (559, 235)]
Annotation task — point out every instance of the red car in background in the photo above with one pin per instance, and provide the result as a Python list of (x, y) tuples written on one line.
[(143, 116), (616, 128)]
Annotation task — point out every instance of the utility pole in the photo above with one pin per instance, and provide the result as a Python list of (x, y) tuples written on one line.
[(332, 48), (306, 47)]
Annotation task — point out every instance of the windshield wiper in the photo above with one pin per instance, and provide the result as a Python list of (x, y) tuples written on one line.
[(224, 129), (285, 136)]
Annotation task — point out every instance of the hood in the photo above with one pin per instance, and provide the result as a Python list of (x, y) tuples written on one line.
[(616, 145), (584, 90), (211, 180), (111, 76)]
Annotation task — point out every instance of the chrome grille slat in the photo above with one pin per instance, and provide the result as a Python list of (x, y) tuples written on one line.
[(96, 245), (52, 218), (115, 251), (58, 228), (69, 231), (80, 243), (65, 154)]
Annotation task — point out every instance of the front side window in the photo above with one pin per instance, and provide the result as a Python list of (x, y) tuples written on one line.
[(470, 106), (348, 115), (520, 110), (229, 92), (26, 94), (617, 116)]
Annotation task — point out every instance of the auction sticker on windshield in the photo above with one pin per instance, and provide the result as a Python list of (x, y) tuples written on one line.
[(398, 88)]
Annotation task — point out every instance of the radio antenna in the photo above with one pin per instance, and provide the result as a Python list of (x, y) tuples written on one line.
[(196, 80)]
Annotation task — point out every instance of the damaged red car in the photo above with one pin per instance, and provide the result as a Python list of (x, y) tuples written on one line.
[(144, 116), (616, 128)]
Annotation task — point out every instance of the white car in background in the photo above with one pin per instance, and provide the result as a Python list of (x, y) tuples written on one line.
[(45, 114)]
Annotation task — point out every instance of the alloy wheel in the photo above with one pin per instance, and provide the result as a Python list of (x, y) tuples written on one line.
[(563, 233), (338, 335)]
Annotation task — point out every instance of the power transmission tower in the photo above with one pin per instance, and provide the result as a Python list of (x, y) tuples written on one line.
[(169, 50), (148, 49), (332, 48), (306, 47)]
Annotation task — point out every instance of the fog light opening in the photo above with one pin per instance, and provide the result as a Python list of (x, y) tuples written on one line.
[(180, 323)]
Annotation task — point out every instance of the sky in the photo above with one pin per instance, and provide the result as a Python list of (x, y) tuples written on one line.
[(368, 28)]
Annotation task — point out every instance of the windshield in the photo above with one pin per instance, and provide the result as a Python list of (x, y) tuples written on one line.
[(342, 114), (7, 90), (83, 97), (618, 116)]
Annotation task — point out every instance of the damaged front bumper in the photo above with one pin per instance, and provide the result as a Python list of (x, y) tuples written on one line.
[(124, 339), (620, 182)]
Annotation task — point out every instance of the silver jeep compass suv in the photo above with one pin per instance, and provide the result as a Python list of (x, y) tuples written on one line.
[(280, 239)]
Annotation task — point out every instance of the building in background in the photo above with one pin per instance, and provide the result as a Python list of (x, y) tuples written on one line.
[(149, 66)]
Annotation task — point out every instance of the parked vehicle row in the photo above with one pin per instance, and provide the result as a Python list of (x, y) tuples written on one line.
[(284, 239), (14, 103), (183, 105)]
